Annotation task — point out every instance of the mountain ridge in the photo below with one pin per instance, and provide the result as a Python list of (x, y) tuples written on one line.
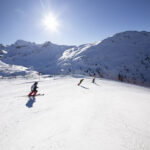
[(124, 56)]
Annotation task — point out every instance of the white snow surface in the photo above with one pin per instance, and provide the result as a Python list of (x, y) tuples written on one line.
[(107, 115)]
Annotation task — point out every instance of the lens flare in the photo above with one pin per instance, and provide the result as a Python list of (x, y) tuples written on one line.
[(50, 22)]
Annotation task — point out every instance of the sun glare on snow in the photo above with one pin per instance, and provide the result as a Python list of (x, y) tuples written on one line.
[(50, 22)]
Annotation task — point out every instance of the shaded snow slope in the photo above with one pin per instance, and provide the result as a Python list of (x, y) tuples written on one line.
[(13, 70), (106, 115)]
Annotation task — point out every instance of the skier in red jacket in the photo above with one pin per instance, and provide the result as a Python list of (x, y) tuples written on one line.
[(33, 89)]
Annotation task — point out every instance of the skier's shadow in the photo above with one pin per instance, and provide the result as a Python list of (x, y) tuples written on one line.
[(96, 84), (84, 87), (30, 102)]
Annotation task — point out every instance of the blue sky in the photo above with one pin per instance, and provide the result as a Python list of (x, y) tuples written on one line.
[(80, 21)]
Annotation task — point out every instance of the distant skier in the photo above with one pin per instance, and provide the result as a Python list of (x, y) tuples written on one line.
[(80, 82), (33, 89), (93, 81), (39, 75)]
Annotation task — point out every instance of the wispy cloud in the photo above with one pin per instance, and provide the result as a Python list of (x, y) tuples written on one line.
[(19, 11), (42, 4)]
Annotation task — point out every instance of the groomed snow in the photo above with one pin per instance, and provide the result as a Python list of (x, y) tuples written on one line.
[(107, 115)]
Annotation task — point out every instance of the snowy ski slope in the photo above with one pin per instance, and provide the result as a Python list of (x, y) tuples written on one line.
[(107, 115)]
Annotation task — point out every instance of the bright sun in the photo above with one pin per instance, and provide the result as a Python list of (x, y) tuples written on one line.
[(50, 22)]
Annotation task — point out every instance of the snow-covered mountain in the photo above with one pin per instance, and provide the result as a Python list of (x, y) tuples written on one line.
[(124, 56), (39, 57)]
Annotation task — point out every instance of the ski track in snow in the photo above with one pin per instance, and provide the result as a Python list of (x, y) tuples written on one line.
[(105, 115)]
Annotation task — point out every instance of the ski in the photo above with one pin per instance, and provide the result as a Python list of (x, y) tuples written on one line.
[(36, 95), (33, 96), (40, 94)]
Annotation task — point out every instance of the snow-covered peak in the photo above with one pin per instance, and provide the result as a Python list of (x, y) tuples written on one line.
[(47, 44), (133, 34), (22, 43), (132, 37)]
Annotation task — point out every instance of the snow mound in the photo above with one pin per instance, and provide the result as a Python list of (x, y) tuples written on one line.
[(13, 70)]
